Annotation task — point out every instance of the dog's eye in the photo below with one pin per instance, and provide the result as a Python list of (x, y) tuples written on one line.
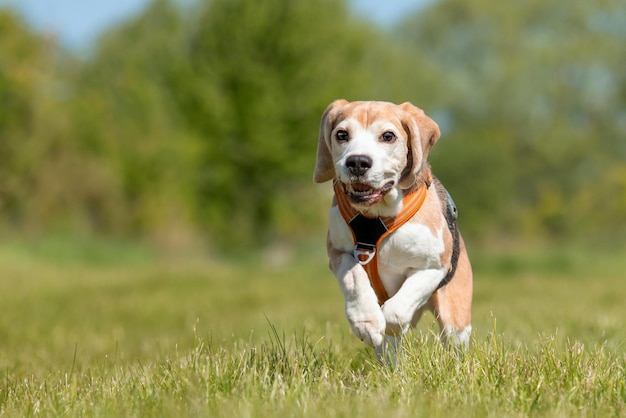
[(388, 137), (342, 135)]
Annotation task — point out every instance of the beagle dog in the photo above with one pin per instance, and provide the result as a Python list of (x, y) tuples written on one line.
[(393, 243)]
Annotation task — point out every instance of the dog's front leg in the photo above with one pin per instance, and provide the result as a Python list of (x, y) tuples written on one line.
[(413, 294), (387, 352), (362, 310)]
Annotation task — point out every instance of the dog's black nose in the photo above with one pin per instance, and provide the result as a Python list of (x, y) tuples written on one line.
[(359, 164)]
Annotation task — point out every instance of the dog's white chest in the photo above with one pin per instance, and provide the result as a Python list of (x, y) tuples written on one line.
[(413, 246), (410, 248)]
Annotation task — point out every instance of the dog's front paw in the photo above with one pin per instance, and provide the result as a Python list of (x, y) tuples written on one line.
[(367, 322), (397, 319)]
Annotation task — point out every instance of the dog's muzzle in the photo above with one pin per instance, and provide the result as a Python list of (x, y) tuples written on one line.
[(362, 194)]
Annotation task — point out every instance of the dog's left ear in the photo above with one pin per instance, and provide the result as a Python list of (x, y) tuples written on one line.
[(423, 133), (324, 167)]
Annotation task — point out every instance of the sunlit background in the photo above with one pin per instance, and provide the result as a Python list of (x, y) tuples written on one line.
[(181, 122)]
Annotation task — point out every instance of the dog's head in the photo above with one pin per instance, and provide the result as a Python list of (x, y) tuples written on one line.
[(373, 148)]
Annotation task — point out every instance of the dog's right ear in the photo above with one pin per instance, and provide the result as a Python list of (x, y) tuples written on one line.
[(324, 167)]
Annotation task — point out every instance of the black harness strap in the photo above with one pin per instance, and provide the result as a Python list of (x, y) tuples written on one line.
[(451, 216), (367, 231)]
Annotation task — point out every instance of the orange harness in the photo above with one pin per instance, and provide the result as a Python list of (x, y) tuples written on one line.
[(369, 232)]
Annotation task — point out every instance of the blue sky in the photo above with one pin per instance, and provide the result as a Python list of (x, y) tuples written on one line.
[(78, 22)]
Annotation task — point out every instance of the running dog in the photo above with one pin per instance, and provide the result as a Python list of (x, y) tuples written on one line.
[(393, 241)]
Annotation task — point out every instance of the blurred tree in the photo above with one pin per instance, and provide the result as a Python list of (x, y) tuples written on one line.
[(262, 74), (533, 97), (205, 116), (210, 115), (21, 60), (125, 113), (32, 140)]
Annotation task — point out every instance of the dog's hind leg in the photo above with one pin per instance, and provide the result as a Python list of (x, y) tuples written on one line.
[(452, 304)]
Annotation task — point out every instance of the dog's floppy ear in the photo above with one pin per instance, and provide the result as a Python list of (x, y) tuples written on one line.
[(423, 133), (324, 168)]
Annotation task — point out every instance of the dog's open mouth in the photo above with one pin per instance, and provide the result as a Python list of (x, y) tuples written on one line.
[(363, 194)]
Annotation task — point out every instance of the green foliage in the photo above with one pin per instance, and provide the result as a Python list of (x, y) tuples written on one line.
[(201, 120), (23, 64), (124, 110), (262, 72), (533, 94)]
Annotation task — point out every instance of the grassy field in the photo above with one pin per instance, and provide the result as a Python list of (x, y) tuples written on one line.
[(114, 329)]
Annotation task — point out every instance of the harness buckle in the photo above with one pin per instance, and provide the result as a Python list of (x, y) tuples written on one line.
[(364, 253)]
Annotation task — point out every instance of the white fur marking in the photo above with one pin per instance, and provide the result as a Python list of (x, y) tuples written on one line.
[(412, 295), (457, 338), (364, 315)]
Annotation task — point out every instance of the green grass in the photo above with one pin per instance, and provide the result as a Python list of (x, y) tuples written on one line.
[(112, 329)]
